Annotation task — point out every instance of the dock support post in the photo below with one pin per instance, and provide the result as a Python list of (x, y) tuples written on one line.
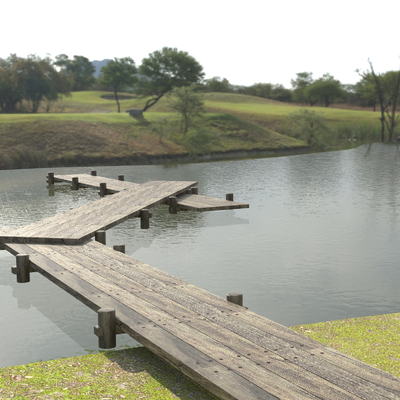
[(229, 196), (121, 177), (93, 173), (103, 189), (173, 205), (100, 236), (189, 191), (75, 183), (236, 298), (105, 330), (195, 190), (50, 178), (119, 247), (145, 219), (22, 268)]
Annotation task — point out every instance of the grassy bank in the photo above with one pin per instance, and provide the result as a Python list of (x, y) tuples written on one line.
[(86, 129), (138, 374)]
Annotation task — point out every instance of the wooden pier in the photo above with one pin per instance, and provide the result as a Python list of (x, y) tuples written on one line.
[(229, 350)]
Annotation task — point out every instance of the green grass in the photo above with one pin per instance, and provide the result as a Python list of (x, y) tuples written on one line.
[(126, 374), (374, 340)]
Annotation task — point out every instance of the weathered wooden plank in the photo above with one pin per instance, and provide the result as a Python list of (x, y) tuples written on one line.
[(205, 203)]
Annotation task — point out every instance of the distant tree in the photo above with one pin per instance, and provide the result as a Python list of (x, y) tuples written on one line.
[(11, 87), (325, 90), (302, 81), (366, 89), (118, 74), (216, 84), (188, 103), (280, 93), (388, 87), (80, 69), (164, 70), (258, 89)]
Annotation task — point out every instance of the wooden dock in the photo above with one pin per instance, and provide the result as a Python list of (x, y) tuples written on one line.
[(229, 350)]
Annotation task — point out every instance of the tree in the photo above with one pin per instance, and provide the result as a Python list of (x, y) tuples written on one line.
[(187, 102), (118, 74), (80, 69), (303, 80), (164, 70), (216, 84), (325, 90), (388, 87), (366, 89)]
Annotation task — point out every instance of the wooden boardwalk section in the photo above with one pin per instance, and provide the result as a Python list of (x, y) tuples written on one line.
[(229, 350)]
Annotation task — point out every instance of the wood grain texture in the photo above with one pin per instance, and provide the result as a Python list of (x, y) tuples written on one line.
[(205, 203)]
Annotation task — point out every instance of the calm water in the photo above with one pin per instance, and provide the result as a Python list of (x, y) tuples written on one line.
[(319, 242)]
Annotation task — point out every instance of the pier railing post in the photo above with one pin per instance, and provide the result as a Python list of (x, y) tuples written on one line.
[(173, 205), (105, 330), (22, 268), (103, 189), (100, 236), (229, 196), (195, 190), (75, 183), (50, 178), (93, 173), (236, 298), (145, 219), (121, 177), (119, 247)]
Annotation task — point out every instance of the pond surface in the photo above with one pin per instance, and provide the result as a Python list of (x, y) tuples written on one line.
[(319, 242)]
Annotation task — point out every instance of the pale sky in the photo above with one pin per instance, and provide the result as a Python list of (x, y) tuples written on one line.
[(244, 41)]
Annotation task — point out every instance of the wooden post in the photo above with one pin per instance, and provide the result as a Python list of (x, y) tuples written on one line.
[(188, 191), (75, 183), (103, 189), (100, 236), (121, 177), (105, 330), (93, 173), (119, 247), (236, 298), (23, 268), (173, 205), (145, 219), (195, 190), (229, 196), (50, 178)]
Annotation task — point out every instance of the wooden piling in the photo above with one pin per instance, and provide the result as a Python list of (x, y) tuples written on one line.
[(23, 268), (100, 236), (103, 189), (121, 177), (195, 190), (145, 219), (229, 196), (189, 191), (93, 173), (105, 330), (119, 247), (50, 178), (173, 205), (75, 183), (236, 298)]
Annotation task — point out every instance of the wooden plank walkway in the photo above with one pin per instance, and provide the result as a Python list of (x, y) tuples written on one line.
[(231, 351), (80, 224)]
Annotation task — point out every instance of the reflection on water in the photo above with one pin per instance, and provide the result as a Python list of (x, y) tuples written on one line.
[(319, 242)]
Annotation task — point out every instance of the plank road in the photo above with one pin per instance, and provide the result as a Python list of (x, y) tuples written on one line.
[(232, 352)]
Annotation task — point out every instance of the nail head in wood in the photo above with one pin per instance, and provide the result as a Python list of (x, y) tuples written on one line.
[(229, 196), (105, 330), (195, 190), (121, 177), (103, 189), (145, 219), (93, 173), (23, 268), (119, 247), (236, 298), (100, 236), (75, 183), (50, 178), (173, 205)]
